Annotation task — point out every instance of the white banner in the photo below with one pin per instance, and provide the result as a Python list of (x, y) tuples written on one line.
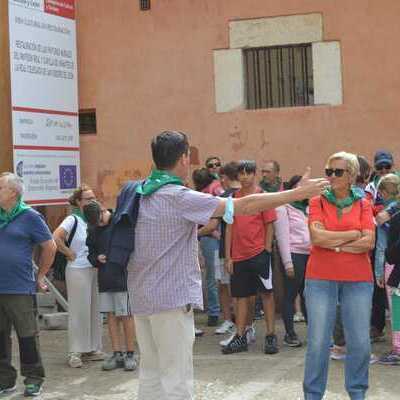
[(44, 95)]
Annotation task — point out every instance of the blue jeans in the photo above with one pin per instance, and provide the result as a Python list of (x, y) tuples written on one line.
[(355, 300), (380, 247), (210, 250)]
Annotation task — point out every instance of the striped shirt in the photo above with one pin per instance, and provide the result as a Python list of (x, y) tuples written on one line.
[(163, 271)]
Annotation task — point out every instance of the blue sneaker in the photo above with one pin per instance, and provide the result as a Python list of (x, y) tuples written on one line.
[(7, 388), (32, 389)]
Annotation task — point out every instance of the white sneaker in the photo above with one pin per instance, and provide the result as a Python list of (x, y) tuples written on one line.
[(74, 360), (225, 327), (251, 334), (225, 342), (298, 317)]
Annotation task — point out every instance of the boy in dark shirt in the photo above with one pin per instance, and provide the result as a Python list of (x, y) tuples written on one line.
[(113, 296)]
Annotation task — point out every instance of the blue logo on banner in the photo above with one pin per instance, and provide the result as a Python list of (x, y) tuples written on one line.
[(20, 169), (67, 176)]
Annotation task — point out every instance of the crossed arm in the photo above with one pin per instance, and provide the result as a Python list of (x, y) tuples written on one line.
[(352, 241)]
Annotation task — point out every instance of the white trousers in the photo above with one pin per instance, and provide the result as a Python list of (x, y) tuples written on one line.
[(166, 355), (84, 322)]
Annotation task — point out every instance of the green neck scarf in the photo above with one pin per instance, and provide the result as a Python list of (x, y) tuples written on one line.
[(156, 180), (271, 187), (342, 203), (301, 205), (7, 216), (77, 211)]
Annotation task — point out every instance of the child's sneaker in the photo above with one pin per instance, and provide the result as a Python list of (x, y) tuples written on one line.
[(114, 361), (32, 389), (236, 345), (130, 362)]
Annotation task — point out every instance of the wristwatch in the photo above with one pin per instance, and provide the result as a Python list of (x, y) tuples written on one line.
[(337, 249)]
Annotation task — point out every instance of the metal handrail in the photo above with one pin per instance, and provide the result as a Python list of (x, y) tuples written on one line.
[(59, 297)]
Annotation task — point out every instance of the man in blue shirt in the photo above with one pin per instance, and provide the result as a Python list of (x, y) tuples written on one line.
[(21, 229)]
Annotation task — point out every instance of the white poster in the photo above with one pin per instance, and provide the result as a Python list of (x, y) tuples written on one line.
[(44, 94)]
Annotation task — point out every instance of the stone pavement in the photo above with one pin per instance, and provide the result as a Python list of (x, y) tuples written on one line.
[(245, 376)]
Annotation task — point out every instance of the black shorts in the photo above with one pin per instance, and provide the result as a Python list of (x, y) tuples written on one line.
[(247, 276)]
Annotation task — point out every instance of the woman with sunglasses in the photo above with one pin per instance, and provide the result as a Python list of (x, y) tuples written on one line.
[(339, 271)]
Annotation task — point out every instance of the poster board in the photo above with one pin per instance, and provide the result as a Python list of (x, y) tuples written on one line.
[(44, 97)]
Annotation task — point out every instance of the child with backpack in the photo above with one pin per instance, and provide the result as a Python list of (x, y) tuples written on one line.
[(112, 278)]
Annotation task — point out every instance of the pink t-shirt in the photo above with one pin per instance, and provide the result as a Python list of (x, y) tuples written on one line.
[(292, 233), (215, 188)]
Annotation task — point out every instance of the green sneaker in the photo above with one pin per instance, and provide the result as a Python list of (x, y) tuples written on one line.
[(32, 389)]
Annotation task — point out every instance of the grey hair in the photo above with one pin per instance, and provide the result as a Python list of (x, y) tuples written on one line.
[(14, 182), (353, 166)]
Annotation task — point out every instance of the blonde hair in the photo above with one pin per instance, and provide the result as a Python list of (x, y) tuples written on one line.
[(390, 183), (353, 166)]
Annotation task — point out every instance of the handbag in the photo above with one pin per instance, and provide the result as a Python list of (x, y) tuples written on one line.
[(60, 260)]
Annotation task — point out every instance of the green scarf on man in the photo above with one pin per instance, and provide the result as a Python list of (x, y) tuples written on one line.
[(271, 187), (8, 216), (156, 180)]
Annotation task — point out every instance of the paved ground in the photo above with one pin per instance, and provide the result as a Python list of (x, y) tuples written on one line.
[(245, 376)]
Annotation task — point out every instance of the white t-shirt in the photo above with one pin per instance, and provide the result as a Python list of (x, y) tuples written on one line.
[(78, 245)]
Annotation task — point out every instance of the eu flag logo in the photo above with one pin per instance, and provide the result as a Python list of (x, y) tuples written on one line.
[(68, 176)]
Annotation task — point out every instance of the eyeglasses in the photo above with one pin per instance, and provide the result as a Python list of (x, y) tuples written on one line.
[(338, 172), (88, 198), (214, 165), (266, 171), (383, 166)]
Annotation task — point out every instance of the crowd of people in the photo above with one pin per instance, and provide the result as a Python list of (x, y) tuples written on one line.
[(139, 264)]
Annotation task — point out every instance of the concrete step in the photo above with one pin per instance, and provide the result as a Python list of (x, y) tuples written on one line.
[(47, 310), (46, 299), (58, 320)]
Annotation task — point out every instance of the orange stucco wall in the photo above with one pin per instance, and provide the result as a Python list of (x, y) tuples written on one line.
[(149, 71)]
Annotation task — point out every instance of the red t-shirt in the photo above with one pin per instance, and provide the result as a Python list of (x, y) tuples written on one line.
[(327, 264), (248, 233)]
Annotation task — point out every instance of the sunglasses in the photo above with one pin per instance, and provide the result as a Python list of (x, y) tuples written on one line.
[(216, 165), (383, 166), (338, 172)]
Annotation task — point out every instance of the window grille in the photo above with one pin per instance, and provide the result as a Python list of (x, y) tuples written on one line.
[(144, 5), (280, 76)]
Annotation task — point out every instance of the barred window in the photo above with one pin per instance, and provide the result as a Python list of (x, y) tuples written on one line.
[(144, 5), (279, 76), (87, 122)]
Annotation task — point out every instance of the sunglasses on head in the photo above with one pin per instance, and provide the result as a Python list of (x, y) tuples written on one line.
[(214, 165), (383, 166), (338, 172)]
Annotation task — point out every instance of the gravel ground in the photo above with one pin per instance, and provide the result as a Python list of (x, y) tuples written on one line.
[(245, 376)]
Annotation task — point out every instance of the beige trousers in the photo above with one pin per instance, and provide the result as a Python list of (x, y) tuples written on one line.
[(84, 322), (166, 355)]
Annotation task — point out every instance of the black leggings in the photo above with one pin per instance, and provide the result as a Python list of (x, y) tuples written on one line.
[(293, 287)]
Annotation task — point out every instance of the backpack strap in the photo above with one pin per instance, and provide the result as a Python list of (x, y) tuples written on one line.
[(72, 234)]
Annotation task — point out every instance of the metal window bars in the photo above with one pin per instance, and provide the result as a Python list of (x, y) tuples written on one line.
[(279, 76)]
